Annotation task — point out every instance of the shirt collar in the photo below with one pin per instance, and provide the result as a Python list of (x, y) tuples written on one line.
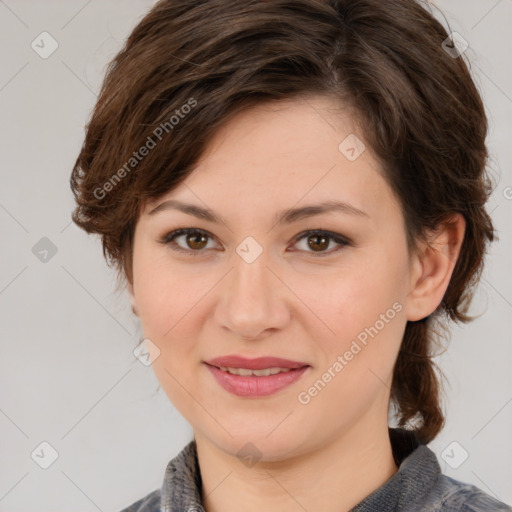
[(417, 472), (181, 489)]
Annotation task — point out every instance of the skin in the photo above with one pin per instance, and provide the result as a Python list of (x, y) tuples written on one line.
[(333, 451)]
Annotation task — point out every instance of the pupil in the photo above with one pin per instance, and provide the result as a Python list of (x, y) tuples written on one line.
[(194, 238), (314, 245)]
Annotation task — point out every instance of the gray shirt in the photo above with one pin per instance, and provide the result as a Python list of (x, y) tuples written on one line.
[(418, 485)]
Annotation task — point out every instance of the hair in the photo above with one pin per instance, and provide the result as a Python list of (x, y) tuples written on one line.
[(189, 66)]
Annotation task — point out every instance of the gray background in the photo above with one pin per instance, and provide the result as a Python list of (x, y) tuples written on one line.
[(67, 372)]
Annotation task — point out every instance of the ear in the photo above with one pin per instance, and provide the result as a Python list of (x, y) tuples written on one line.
[(432, 267), (132, 298)]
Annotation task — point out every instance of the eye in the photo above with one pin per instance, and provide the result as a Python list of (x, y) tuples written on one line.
[(195, 240), (319, 240)]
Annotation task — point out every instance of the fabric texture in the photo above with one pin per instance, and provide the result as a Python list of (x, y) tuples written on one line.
[(418, 485)]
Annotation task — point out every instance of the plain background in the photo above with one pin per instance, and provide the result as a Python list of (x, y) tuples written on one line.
[(67, 372)]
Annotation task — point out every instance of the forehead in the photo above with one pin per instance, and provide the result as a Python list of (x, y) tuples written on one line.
[(277, 155)]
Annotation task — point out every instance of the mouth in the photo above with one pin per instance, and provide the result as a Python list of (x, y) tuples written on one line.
[(245, 372), (259, 363), (255, 377)]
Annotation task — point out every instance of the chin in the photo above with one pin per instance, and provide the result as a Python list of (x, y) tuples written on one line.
[(256, 444)]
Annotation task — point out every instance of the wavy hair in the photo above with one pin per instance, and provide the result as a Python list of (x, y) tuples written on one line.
[(421, 112)]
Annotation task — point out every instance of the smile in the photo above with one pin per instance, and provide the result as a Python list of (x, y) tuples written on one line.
[(251, 383), (265, 372)]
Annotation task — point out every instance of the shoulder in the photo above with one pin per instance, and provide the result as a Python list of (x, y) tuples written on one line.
[(450, 495), (150, 503)]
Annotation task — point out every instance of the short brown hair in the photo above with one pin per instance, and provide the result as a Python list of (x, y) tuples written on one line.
[(421, 112)]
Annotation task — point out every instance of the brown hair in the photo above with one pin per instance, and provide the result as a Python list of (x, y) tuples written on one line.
[(191, 65)]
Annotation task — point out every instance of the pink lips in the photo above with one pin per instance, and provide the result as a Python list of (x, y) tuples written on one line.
[(252, 385), (255, 364)]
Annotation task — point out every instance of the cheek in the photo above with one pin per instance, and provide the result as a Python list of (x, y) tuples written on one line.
[(167, 305), (356, 364), (355, 295), (364, 305), (164, 306), (162, 293), (152, 299)]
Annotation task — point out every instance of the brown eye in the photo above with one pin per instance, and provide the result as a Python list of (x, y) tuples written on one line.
[(196, 240), (318, 242), (191, 241)]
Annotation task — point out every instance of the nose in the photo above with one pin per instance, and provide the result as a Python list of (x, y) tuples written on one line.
[(254, 301)]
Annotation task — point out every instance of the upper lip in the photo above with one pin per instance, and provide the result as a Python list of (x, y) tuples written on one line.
[(258, 363)]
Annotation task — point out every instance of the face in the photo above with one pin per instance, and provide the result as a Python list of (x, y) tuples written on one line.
[(324, 291)]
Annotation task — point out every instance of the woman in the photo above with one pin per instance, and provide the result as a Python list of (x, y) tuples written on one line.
[(294, 192)]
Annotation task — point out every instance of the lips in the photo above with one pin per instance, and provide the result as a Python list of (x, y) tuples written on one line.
[(254, 378), (259, 363)]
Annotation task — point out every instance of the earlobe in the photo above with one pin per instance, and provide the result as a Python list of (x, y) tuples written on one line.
[(432, 268)]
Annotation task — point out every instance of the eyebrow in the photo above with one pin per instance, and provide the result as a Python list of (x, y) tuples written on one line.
[(287, 216)]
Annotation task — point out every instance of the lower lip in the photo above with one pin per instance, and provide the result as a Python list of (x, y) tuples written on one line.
[(253, 386)]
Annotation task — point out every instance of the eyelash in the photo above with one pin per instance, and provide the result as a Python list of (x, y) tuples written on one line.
[(169, 238)]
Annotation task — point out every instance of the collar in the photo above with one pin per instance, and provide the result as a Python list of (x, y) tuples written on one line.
[(417, 472), (182, 485)]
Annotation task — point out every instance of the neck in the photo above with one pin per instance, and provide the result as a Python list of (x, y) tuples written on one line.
[(333, 477)]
